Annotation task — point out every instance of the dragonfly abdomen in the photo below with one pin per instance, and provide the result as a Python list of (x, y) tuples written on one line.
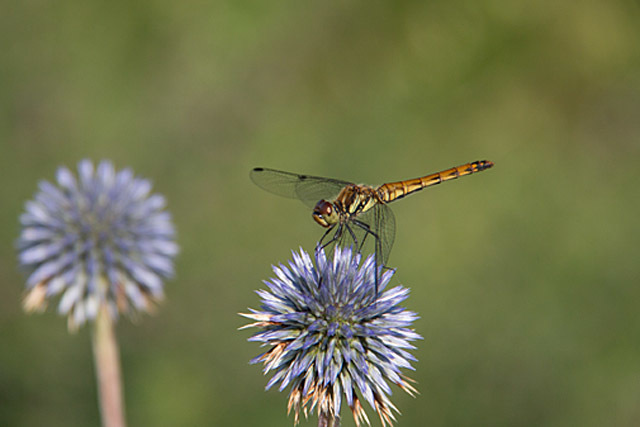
[(397, 190)]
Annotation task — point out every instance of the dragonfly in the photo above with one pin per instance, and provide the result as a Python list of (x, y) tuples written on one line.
[(353, 213)]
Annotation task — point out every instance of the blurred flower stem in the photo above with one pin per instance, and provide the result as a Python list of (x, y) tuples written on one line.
[(104, 243), (327, 420), (107, 362)]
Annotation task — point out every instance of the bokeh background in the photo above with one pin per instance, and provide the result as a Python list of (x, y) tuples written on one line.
[(526, 277)]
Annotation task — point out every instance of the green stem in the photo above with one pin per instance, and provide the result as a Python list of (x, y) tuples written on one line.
[(107, 363)]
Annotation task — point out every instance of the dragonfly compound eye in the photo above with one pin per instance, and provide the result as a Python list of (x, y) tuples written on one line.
[(322, 213), (323, 208)]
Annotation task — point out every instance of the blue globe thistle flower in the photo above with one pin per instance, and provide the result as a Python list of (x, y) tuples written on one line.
[(332, 336), (98, 240)]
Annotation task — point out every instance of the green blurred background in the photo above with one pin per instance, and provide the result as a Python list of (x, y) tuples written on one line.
[(526, 276)]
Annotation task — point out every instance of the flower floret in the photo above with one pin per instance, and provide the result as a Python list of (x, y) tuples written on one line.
[(333, 334)]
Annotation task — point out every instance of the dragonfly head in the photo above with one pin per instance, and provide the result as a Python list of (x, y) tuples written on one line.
[(325, 214)]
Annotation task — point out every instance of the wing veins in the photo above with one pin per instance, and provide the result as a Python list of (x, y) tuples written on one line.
[(307, 188)]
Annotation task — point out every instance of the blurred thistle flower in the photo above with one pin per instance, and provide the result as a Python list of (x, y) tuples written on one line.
[(331, 335), (100, 240)]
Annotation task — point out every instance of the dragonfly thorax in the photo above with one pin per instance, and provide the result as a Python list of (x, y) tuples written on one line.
[(325, 214)]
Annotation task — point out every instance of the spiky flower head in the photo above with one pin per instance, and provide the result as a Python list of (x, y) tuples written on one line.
[(101, 239), (332, 336)]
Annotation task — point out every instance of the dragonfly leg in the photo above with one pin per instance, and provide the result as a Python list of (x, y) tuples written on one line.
[(378, 249), (320, 246), (368, 231), (335, 237), (324, 235), (356, 246)]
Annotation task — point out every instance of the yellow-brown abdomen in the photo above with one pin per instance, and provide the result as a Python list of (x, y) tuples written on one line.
[(397, 190)]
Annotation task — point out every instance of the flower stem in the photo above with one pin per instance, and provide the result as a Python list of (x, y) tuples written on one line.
[(107, 364), (327, 420)]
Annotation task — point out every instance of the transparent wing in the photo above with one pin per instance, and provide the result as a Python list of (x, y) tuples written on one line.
[(370, 232), (386, 226), (382, 224), (356, 237), (309, 189)]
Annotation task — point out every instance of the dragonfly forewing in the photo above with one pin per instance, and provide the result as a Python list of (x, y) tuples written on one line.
[(309, 189)]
